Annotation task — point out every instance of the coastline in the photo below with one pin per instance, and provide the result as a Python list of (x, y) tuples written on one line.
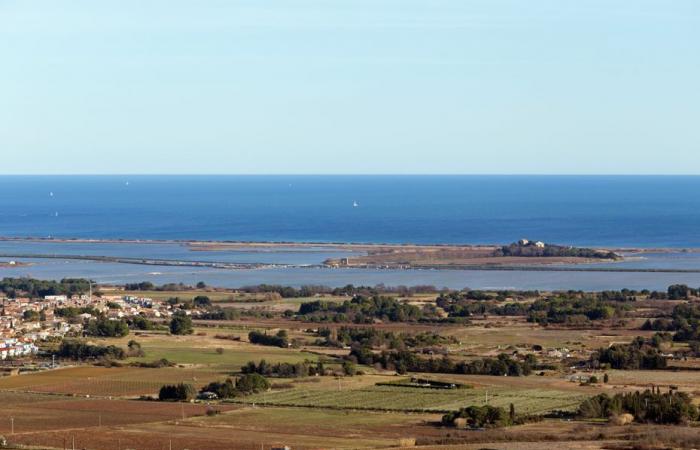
[(373, 256), (223, 245)]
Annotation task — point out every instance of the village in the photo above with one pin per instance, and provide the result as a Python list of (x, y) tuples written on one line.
[(25, 322)]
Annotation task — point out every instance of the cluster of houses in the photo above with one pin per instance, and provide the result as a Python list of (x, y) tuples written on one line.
[(14, 347), (24, 321)]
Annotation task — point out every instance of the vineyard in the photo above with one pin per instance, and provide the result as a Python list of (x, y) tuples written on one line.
[(386, 398)]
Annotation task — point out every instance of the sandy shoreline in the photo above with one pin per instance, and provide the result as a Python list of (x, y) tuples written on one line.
[(222, 245)]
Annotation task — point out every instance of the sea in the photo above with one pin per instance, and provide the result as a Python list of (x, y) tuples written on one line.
[(600, 211)]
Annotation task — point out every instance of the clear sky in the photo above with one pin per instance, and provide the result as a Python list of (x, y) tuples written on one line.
[(349, 86)]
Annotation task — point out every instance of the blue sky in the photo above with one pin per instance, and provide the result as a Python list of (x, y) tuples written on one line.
[(356, 86)]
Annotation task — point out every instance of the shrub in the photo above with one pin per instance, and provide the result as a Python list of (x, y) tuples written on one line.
[(479, 416), (225, 389), (181, 324), (647, 406), (277, 340), (104, 327), (252, 383), (176, 392)]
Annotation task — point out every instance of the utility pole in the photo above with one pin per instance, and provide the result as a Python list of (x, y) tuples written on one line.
[(487, 397), (73, 442), (12, 425)]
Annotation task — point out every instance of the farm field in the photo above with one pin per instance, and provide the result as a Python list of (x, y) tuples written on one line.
[(33, 412), (349, 406), (201, 349), (104, 382), (364, 394)]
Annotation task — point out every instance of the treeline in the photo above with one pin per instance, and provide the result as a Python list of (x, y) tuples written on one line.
[(231, 313), (285, 370), (280, 339), (375, 338), (649, 406), (486, 416), (532, 250), (103, 327), (148, 286), (640, 354), (573, 308), (349, 290), (361, 309), (685, 321), (406, 361), (75, 349), (70, 312), (32, 288), (574, 311), (675, 292), (250, 383)]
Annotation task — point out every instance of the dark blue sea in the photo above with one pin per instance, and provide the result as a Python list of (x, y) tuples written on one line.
[(638, 211)]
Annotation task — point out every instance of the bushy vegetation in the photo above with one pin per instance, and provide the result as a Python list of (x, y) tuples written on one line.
[(76, 349), (177, 392), (480, 416), (348, 290), (572, 308), (71, 311), (284, 370), (640, 354), (251, 383), (225, 389), (649, 406), (29, 287), (375, 338), (141, 323), (103, 327), (574, 311), (406, 361), (279, 339), (361, 309), (685, 321), (181, 324), (532, 250)]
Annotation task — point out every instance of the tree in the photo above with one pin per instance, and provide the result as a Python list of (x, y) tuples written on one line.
[(181, 324), (30, 316), (80, 350), (252, 383), (201, 301), (176, 392), (277, 340), (104, 327), (349, 368), (222, 390), (479, 416), (201, 285), (135, 349)]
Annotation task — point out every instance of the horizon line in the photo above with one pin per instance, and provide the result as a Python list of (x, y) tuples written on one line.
[(272, 174)]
